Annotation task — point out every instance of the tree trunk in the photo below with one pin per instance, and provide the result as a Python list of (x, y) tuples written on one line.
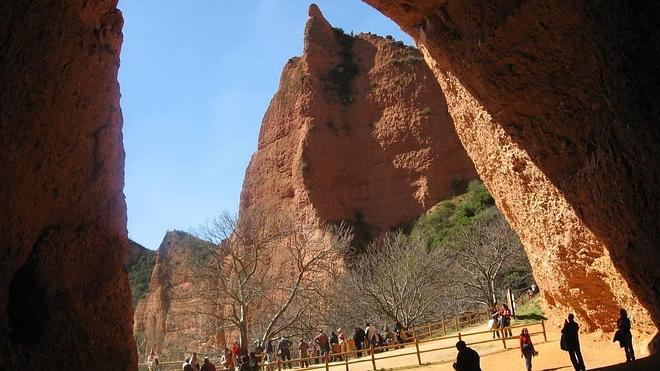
[(242, 327)]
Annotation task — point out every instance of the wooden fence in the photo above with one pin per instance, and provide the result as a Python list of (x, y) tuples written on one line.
[(349, 358), (445, 326)]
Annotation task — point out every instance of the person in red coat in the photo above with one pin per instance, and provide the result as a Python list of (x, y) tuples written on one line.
[(526, 348)]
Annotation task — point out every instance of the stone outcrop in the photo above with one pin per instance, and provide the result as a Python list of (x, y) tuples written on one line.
[(165, 318), (555, 105), (358, 130), (64, 297)]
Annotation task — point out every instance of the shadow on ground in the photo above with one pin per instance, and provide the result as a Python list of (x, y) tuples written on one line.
[(530, 317), (651, 363)]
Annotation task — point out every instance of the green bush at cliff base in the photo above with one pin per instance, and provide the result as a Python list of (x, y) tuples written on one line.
[(445, 220)]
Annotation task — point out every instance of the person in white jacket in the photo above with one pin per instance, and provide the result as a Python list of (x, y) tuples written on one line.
[(372, 334)]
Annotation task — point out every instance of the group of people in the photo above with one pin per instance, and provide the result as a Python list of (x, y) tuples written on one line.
[(500, 320), (338, 342), (467, 358), (234, 359), (192, 364), (331, 346)]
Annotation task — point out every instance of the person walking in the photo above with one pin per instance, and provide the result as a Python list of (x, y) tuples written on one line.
[(324, 344), (152, 361), (467, 358), (372, 334), (311, 353), (227, 360), (624, 336), (334, 345), (358, 338), (194, 362), (527, 350), (284, 352), (253, 362), (207, 365), (505, 321), (398, 330), (302, 349), (244, 363), (268, 349), (571, 342), (493, 323), (186, 365)]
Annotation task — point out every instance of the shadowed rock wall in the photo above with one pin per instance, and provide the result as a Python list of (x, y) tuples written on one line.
[(562, 95), (64, 298)]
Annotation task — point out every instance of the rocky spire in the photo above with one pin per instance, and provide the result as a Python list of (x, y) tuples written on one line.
[(321, 48)]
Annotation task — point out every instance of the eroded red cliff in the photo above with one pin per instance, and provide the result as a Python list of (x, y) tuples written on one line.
[(166, 319), (552, 100), (64, 298), (358, 130)]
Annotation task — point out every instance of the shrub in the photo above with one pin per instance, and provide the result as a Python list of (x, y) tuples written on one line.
[(340, 77)]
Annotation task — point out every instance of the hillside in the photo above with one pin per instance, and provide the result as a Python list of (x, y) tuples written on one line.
[(139, 264)]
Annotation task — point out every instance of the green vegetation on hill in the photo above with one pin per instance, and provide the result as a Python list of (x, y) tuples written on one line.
[(341, 76), (139, 270), (445, 220), (531, 310)]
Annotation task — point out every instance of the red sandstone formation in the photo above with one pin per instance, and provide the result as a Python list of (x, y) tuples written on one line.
[(163, 317), (376, 144), (64, 298), (358, 130), (553, 103)]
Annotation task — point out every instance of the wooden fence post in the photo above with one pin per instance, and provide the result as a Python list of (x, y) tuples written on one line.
[(459, 336), (346, 361), (430, 336), (419, 359), (279, 365), (456, 322), (444, 329), (373, 357), (414, 336), (545, 337), (326, 362)]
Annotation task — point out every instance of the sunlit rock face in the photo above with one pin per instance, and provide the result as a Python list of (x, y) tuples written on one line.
[(165, 319), (555, 104), (358, 130), (64, 297)]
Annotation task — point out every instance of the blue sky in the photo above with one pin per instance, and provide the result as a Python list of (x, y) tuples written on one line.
[(196, 77)]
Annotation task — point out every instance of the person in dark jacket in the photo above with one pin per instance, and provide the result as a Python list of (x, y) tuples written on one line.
[(284, 352), (467, 358), (253, 361), (571, 341), (397, 330), (207, 365), (624, 336), (268, 348), (358, 337)]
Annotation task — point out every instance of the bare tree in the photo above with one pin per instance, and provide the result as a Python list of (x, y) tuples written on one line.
[(263, 270), (484, 252), (397, 278)]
